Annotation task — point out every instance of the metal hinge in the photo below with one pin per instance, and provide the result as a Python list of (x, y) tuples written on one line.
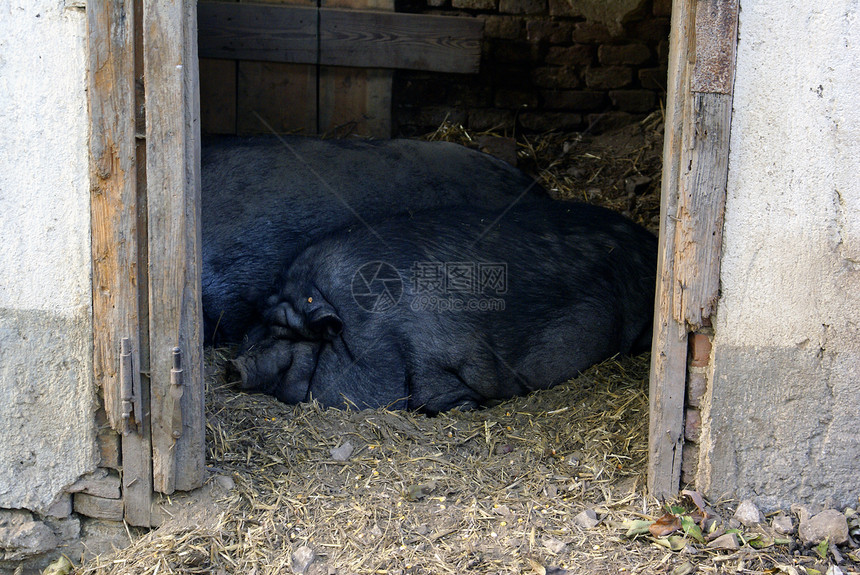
[(129, 390), (175, 395)]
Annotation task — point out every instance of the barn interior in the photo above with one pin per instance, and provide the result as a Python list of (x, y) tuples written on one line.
[(571, 93)]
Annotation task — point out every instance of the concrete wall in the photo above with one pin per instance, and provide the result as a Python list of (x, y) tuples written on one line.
[(47, 397), (783, 413)]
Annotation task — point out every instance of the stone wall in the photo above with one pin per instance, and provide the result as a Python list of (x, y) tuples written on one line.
[(546, 64), (47, 396)]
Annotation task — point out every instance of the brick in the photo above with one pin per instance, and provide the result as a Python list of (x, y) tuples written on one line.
[(580, 100), (506, 98), (474, 4), (490, 119), (689, 463), (504, 27), (591, 33), (662, 8), (663, 52), (550, 31), (653, 78), (697, 385), (561, 8), (650, 29), (109, 443), (700, 350), (556, 77), (522, 6), (98, 507), (100, 483), (608, 77), (550, 121), (692, 425), (576, 55), (619, 55), (634, 101), (510, 52)]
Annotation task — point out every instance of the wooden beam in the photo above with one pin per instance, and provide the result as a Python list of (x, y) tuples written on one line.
[(352, 38), (114, 211), (271, 33), (705, 158), (173, 206), (669, 346), (370, 39)]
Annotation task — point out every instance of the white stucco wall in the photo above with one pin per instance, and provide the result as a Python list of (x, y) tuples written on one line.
[(47, 398), (785, 396)]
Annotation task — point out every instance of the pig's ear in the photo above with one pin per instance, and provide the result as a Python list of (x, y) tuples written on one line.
[(325, 323)]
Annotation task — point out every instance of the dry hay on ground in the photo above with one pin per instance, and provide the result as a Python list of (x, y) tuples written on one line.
[(487, 491), (619, 169)]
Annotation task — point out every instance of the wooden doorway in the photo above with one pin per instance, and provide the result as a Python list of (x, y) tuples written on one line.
[(145, 206)]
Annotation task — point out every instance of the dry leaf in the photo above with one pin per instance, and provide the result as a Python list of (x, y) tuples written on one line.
[(667, 524)]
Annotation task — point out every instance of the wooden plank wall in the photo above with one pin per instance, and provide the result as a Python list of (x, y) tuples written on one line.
[(317, 70), (115, 235), (695, 172), (173, 196), (669, 346), (353, 100)]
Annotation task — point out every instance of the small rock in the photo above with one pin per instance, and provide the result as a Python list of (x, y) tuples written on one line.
[(727, 541), (224, 482), (376, 531), (554, 545), (301, 559), (748, 514), (834, 570), (684, 568), (343, 452), (587, 519), (637, 185), (829, 524), (783, 524), (802, 512)]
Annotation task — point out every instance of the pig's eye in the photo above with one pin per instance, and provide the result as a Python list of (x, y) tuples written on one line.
[(310, 300)]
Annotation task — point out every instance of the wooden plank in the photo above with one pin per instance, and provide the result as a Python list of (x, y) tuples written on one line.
[(173, 200), (284, 95), (114, 204), (371, 39), (218, 104), (355, 38), (669, 346), (355, 100), (701, 209), (705, 162), (257, 32)]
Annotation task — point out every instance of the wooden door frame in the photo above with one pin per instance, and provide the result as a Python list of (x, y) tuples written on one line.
[(145, 220), (702, 48), (144, 119)]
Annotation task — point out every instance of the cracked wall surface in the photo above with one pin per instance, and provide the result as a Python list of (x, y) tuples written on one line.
[(47, 398), (781, 418)]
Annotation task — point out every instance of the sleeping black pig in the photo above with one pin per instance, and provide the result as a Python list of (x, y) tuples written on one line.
[(265, 198), (453, 307)]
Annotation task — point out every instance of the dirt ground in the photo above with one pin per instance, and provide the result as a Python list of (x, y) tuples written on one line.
[(551, 483)]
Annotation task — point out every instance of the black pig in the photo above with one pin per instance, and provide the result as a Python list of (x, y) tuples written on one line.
[(265, 198), (452, 307)]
